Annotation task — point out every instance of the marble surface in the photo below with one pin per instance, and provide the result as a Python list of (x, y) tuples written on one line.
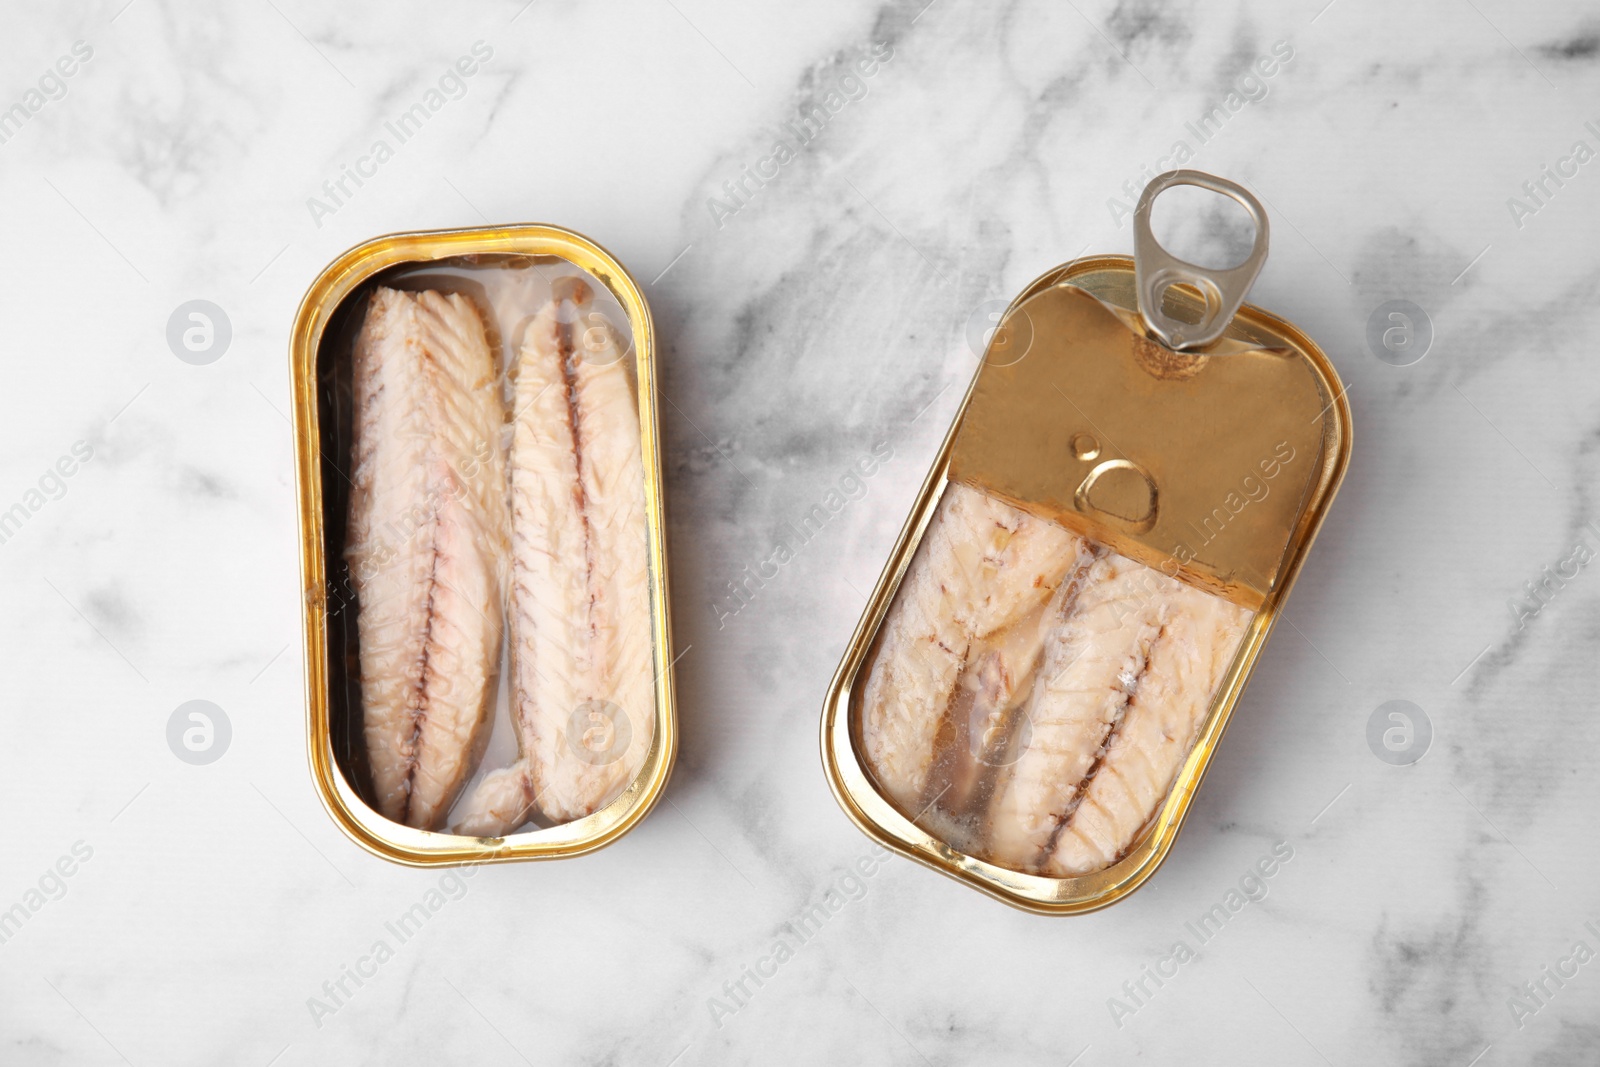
[(824, 314)]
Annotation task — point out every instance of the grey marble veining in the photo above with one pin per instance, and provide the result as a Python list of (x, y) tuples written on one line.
[(819, 316)]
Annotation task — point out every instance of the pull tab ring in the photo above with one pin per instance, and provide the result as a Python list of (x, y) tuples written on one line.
[(1156, 269)]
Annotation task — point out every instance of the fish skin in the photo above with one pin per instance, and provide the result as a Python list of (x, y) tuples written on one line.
[(1200, 636), (978, 715), (427, 530), (1095, 653), (989, 705), (991, 680), (982, 565), (580, 619)]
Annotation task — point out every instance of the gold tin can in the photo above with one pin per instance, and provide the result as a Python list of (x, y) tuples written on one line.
[(329, 715), (1078, 385)]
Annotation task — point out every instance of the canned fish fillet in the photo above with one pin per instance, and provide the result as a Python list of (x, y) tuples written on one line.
[(1089, 576), (487, 638)]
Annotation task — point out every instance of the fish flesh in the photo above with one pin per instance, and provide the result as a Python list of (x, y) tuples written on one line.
[(582, 685), (1186, 663), (428, 524), (1097, 650), (996, 674), (987, 710), (1035, 693), (983, 565)]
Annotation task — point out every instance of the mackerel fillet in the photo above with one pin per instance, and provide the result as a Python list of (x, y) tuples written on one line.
[(428, 525), (582, 685), (982, 566)]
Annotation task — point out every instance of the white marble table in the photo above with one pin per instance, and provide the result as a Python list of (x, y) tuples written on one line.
[(821, 314)]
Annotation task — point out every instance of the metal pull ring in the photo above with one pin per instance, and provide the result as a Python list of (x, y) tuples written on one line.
[(1156, 269)]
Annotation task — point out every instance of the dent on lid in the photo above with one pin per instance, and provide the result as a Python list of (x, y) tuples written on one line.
[(1199, 465)]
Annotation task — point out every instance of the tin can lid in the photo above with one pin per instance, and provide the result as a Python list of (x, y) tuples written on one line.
[(1153, 410)]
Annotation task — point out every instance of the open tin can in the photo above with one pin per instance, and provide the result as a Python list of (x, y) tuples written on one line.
[(1089, 575), (476, 438)]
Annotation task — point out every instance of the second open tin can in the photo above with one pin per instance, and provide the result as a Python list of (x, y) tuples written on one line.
[(1044, 671)]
